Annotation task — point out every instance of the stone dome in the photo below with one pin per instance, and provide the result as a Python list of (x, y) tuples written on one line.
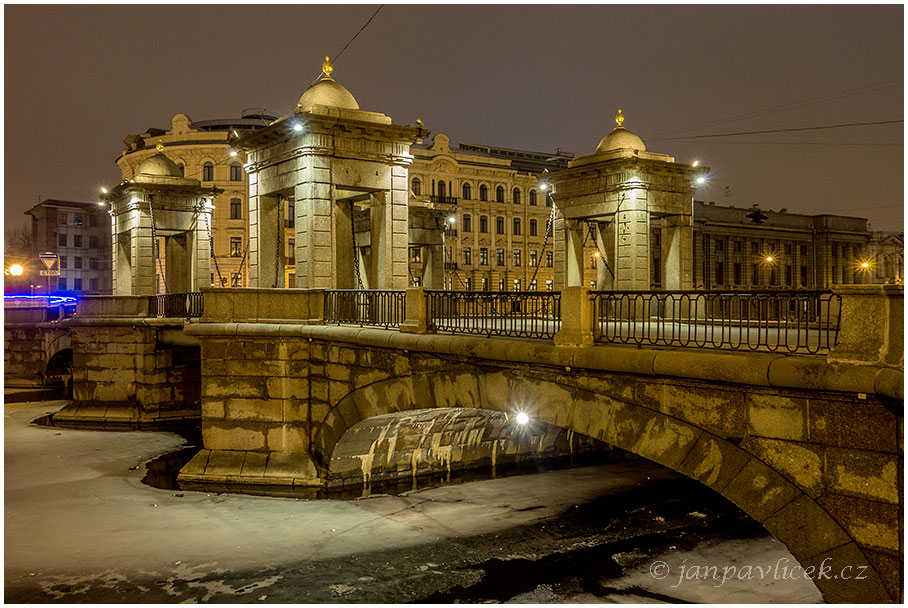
[(158, 166), (327, 92), (620, 139)]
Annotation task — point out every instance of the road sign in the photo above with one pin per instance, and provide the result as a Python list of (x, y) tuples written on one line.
[(50, 273), (49, 259)]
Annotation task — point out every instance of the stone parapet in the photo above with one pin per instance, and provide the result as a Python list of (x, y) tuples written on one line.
[(761, 369), (264, 305), (872, 325)]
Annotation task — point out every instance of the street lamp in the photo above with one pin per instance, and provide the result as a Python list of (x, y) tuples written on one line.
[(16, 270)]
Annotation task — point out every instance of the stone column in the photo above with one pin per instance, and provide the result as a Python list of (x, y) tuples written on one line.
[(400, 221), (266, 244), (315, 226), (417, 312), (433, 267), (573, 253), (677, 252), (558, 252), (176, 263), (142, 256), (200, 248), (632, 273)]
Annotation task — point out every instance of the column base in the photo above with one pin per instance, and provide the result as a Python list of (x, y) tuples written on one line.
[(264, 473), (124, 415)]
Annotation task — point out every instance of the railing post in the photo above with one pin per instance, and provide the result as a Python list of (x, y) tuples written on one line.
[(871, 326), (417, 321), (576, 318)]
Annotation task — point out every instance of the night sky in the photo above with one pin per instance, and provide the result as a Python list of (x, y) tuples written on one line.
[(79, 79)]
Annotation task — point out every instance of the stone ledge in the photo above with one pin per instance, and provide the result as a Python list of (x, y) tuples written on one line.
[(228, 467)]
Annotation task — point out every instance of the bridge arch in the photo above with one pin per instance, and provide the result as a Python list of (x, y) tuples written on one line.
[(615, 413)]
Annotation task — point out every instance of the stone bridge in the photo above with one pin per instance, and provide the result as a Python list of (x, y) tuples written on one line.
[(809, 446)]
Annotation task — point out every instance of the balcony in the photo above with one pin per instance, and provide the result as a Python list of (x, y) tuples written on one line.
[(447, 200)]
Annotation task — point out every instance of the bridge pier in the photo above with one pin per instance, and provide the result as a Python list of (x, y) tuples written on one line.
[(129, 371)]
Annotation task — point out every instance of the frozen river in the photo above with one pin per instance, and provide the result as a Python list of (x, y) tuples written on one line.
[(80, 526)]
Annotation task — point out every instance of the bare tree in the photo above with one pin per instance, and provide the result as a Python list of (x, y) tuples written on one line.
[(18, 241)]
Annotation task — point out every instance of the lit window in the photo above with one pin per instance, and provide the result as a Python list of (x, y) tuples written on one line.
[(236, 246), (499, 257), (483, 257), (517, 257), (467, 257)]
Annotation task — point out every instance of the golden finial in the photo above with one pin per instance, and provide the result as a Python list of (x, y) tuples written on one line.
[(327, 68), (619, 117), (159, 147)]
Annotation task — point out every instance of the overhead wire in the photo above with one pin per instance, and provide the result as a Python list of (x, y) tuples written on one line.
[(349, 42), (787, 106), (786, 130)]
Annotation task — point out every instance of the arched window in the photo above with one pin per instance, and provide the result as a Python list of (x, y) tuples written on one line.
[(483, 193), (499, 194), (441, 190), (499, 225), (483, 223), (533, 197), (466, 192), (208, 172), (416, 186), (467, 224), (236, 172), (182, 169), (516, 226), (516, 196), (533, 229)]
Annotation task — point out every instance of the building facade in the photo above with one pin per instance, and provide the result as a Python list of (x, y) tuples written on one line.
[(79, 233), (749, 248)]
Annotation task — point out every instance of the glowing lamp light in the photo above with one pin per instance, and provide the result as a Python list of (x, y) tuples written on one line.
[(16, 270), (769, 258), (522, 418), (101, 203), (701, 180), (103, 190), (133, 200), (865, 264), (696, 163), (297, 127), (543, 186), (233, 153), (596, 255)]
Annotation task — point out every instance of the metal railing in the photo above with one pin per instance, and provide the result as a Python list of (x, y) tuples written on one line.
[(790, 321), (176, 305), (523, 314), (450, 200), (384, 308)]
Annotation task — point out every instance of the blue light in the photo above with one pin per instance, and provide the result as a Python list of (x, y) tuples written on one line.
[(52, 300)]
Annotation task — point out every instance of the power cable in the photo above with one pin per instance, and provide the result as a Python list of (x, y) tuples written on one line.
[(790, 130), (365, 25), (779, 108)]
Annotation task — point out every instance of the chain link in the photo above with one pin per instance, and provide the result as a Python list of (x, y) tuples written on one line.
[(157, 253)]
